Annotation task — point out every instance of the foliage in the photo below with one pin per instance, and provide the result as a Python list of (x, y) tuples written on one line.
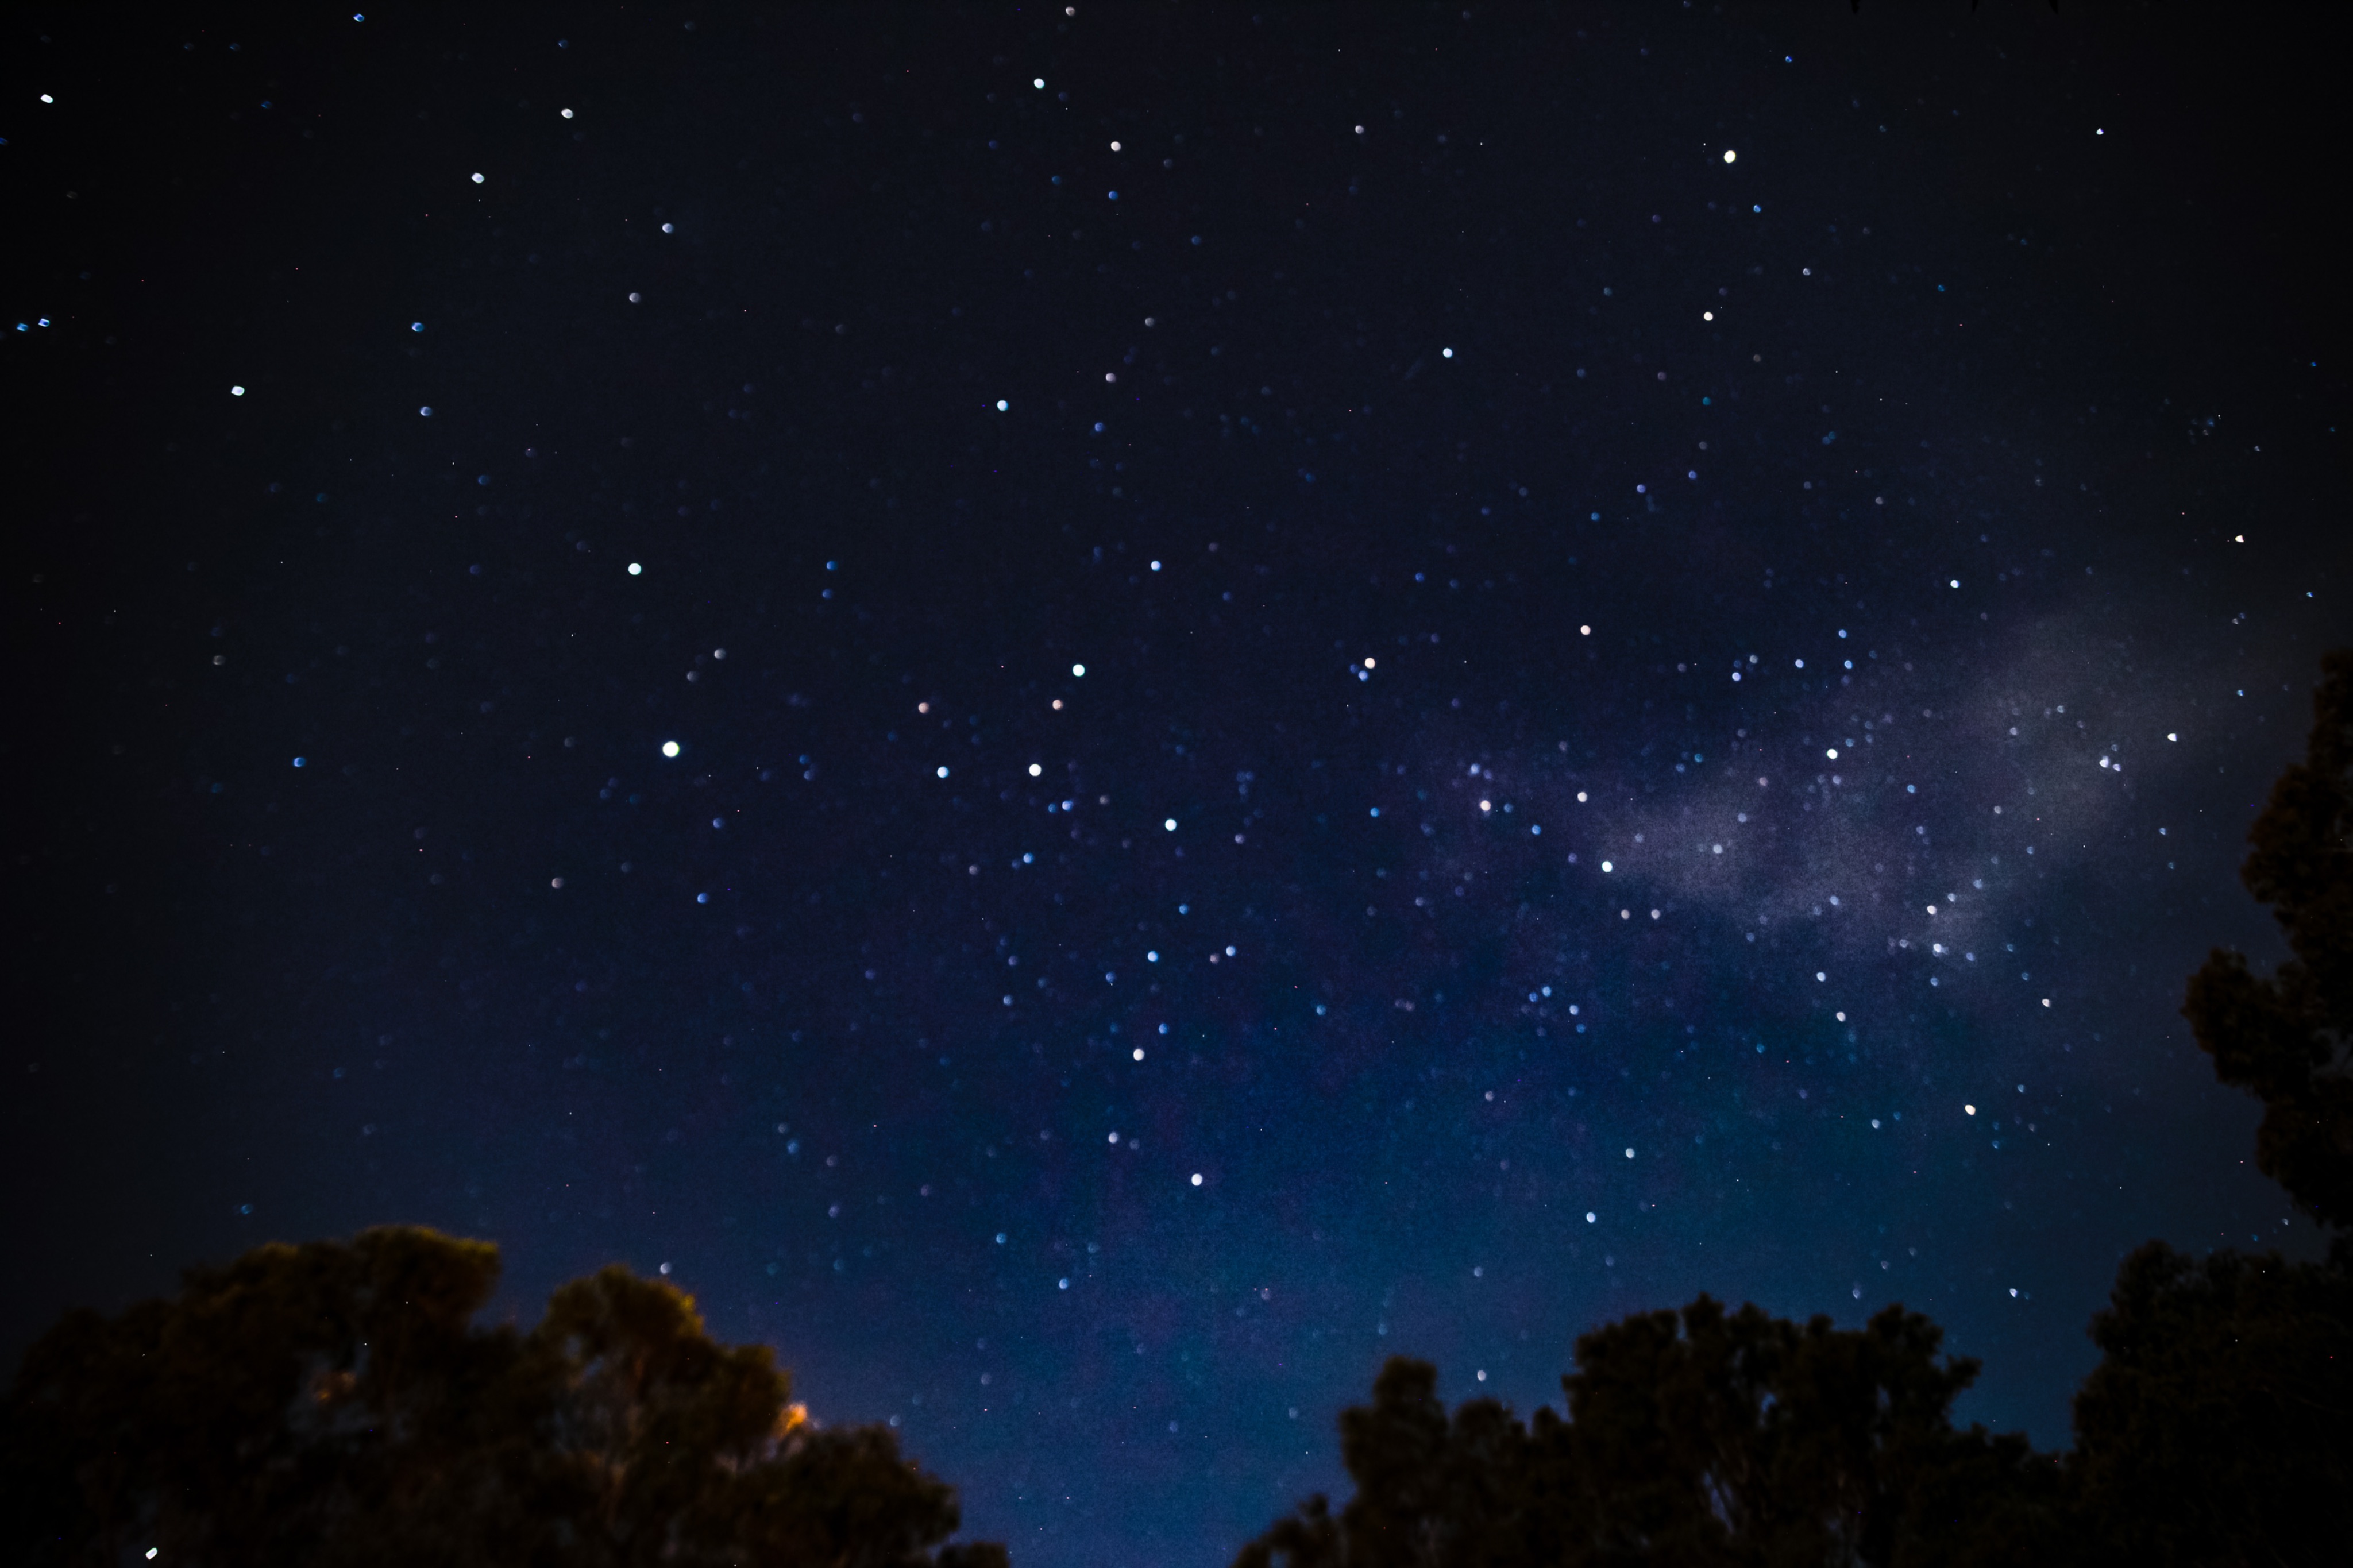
[(2285, 1039), (333, 1404), (2215, 1429), (2218, 1427), (1701, 1437)]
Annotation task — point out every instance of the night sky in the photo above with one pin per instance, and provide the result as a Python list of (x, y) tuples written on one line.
[(1098, 715)]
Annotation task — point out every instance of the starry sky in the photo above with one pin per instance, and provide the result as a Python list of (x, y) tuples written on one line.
[(1096, 714)]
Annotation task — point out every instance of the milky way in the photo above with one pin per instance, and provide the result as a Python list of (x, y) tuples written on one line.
[(1096, 722)]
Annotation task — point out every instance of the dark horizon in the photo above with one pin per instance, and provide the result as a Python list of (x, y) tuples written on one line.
[(1410, 452)]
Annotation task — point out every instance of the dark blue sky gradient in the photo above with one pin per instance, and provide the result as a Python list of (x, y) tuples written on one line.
[(1624, 692)]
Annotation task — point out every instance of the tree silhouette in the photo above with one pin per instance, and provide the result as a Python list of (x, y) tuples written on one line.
[(2285, 1039), (2217, 1429), (332, 1404), (1704, 1436)]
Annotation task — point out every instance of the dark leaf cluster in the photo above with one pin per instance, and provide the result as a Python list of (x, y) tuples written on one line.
[(2285, 1039), (1704, 1437), (336, 1403)]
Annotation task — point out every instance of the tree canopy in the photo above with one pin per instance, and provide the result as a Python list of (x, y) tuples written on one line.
[(335, 1403), (1704, 1436), (2218, 1427), (2285, 1039)]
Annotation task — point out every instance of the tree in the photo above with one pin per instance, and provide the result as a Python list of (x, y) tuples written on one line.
[(1699, 1438), (1751, 1438), (2215, 1429), (2218, 1427), (333, 1404), (2285, 1039), (1428, 1490)]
